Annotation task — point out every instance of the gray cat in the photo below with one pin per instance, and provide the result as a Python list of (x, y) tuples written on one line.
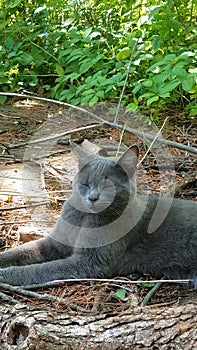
[(103, 231)]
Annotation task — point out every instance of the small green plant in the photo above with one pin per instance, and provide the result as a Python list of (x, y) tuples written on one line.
[(120, 293)]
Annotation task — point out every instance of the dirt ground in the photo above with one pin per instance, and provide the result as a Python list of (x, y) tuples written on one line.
[(36, 177)]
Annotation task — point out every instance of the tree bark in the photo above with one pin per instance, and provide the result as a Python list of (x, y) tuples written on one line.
[(163, 328)]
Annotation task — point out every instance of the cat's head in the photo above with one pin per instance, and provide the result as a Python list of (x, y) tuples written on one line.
[(102, 182)]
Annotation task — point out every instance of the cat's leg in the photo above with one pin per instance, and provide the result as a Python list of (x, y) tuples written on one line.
[(76, 266), (38, 251)]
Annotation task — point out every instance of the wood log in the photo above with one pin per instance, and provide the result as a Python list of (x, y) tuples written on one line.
[(171, 327)]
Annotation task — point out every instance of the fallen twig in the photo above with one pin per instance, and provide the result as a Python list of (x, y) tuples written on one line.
[(53, 137), (25, 206), (151, 292), (6, 297), (101, 120), (27, 293), (152, 143), (123, 281), (151, 137)]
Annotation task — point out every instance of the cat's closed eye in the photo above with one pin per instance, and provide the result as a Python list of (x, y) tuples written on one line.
[(84, 184)]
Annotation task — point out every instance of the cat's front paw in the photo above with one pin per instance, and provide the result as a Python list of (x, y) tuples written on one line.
[(7, 276), (2, 277)]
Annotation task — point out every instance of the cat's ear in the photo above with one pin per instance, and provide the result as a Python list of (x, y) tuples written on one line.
[(129, 159), (83, 156)]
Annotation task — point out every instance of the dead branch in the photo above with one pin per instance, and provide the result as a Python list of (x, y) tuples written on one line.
[(151, 138), (49, 138), (27, 293), (121, 281), (25, 206), (6, 297), (149, 295), (101, 120)]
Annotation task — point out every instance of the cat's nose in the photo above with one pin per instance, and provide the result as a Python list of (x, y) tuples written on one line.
[(93, 195)]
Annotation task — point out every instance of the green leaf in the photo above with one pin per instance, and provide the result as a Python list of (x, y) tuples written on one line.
[(136, 88), (179, 71), (151, 100), (148, 285), (171, 85), (25, 59), (86, 65), (88, 95), (4, 79), (93, 101), (95, 34), (156, 42), (121, 293), (161, 77), (3, 99), (124, 53), (13, 3), (80, 88), (87, 32), (74, 58), (147, 95), (188, 84), (67, 95), (147, 83), (59, 70), (132, 107), (9, 43), (34, 81), (193, 112)]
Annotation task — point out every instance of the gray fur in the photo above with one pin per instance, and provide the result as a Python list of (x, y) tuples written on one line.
[(170, 251)]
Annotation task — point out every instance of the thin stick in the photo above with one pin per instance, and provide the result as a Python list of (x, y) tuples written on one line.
[(151, 137), (127, 281), (120, 141), (25, 206), (150, 294), (152, 143), (49, 297), (21, 194), (101, 120), (125, 83), (8, 298), (49, 138)]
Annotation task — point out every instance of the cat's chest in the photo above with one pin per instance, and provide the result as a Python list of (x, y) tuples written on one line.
[(79, 218)]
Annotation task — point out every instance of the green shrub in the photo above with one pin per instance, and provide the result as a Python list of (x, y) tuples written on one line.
[(79, 52)]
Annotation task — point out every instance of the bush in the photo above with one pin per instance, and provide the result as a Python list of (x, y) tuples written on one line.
[(79, 52)]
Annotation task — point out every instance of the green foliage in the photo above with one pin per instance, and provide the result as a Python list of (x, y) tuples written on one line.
[(79, 52), (120, 293)]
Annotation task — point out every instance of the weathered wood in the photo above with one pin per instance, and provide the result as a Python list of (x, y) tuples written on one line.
[(164, 328)]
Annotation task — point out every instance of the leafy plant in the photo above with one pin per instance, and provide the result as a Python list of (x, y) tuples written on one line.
[(79, 51)]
